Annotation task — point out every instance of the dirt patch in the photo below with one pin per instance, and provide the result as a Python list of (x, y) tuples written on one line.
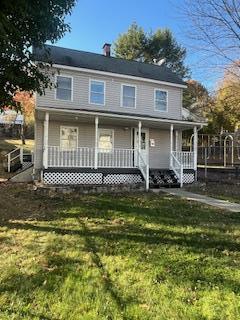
[(20, 201)]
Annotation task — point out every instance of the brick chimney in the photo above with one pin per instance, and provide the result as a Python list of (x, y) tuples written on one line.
[(107, 49)]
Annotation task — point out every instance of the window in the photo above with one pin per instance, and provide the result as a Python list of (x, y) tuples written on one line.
[(68, 138), (105, 140), (97, 89), (128, 96), (160, 100), (64, 88)]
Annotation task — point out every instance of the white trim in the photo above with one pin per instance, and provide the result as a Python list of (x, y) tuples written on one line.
[(96, 143), (65, 76), (118, 75), (147, 150), (195, 146), (171, 144), (106, 129), (163, 90), (60, 141), (45, 140), (102, 114), (128, 85), (104, 92)]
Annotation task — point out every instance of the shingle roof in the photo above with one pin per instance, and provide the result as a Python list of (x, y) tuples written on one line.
[(94, 61)]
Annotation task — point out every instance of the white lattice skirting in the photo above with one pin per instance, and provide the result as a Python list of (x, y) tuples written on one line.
[(26, 165), (74, 178), (188, 177)]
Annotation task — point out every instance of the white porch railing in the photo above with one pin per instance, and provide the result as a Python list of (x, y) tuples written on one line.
[(185, 158), (75, 158), (116, 158), (177, 167), (85, 157)]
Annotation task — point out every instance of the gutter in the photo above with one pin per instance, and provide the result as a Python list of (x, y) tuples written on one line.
[(142, 118)]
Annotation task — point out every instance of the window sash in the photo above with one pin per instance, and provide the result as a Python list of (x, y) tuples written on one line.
[(97, 95), (161, 102), (64, 89), (128, 98), (105, 140), (68, 138)]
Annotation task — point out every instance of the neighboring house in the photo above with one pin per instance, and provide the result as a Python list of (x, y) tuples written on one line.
[(111, 121)]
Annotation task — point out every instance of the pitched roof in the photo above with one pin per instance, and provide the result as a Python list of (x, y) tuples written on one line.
[(94, 61)]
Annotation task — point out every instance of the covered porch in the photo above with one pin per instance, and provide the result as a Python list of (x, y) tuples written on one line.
[(117, 141)]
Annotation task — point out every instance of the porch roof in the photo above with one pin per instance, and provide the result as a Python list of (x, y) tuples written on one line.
[(114, 118)]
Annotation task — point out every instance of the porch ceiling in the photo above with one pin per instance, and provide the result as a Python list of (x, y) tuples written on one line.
[(110, 119)]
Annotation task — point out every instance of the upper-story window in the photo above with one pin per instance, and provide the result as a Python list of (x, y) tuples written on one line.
[(160, 100), (128, 96), (97, 92), (64, 88)]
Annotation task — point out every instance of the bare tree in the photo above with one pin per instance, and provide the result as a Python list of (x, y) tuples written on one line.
[(215, 30)]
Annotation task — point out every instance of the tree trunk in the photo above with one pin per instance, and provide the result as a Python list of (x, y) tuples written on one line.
[(22, 136)]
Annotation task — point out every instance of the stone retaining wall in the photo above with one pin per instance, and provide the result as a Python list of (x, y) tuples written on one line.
[(55, 190)]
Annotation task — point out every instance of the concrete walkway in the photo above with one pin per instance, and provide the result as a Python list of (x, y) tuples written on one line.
[(221, 204)]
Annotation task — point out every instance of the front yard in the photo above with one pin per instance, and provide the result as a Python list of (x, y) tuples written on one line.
[(222, 190), (116, 257)]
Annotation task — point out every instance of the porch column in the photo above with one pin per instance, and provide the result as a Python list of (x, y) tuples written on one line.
[(171, 143), (45, 140), (96, 144), (195, 146), (139, 140), (176, 140)]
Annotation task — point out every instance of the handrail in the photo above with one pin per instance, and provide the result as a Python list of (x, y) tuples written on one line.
[(177, 167), (144, 168), (10, 159), (186, 158)]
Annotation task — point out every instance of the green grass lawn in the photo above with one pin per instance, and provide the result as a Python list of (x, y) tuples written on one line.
[(141, 256)]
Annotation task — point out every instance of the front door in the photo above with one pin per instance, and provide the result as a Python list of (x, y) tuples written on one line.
[(144, 144)]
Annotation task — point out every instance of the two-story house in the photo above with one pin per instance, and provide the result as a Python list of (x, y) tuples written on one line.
[(111, 121)]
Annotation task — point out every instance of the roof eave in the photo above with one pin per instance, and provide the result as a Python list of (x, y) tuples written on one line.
[(118, 75)]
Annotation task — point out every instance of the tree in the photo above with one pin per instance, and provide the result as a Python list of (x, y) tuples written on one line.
[(26, 103), (224, 111), (215, 29), (24, 24), (195, 97), (136, 44)]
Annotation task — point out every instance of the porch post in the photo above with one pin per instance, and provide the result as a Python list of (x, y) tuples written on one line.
[(45, 140), (96, 144), (176, 140), (139, 140), (195, 146), (171, 143)]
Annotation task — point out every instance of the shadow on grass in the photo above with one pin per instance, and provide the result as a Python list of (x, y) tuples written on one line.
[(49, 278), (172, 219)]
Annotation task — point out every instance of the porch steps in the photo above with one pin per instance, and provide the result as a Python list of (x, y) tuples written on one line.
[(166, 178)]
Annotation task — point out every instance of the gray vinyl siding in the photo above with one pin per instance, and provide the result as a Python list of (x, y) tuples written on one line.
[(159, 155), (86, 137), (144, 96)]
